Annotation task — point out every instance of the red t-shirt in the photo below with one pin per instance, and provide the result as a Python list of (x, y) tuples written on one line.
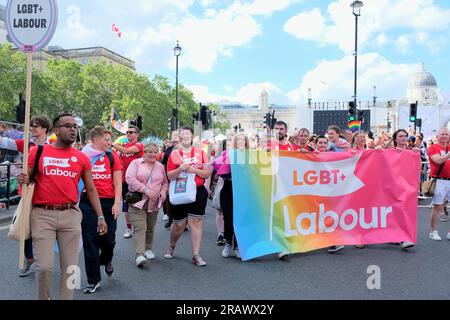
[(59, 172), (102, 175), (128, 158), (196, 159), (285, 147), (20, 145), (439, 150)]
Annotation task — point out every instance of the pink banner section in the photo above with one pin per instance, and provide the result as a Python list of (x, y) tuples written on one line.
[(343, 198)]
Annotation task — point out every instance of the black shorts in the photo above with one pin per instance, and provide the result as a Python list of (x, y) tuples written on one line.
[(194, 210)]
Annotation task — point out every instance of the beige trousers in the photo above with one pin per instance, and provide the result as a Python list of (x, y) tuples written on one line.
[(47, 226), (144, 227)]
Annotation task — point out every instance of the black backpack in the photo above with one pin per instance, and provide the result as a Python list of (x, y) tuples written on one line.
[(111, 159)]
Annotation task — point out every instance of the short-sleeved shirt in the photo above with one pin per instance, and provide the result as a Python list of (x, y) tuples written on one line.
[(103, 177), (286, 147), (196, 158), (128, 158), (276, 145), (59, 172), (437, 149)]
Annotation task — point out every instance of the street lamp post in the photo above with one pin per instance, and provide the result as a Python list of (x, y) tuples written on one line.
[(356, 5), (309, 97), (177, 53)]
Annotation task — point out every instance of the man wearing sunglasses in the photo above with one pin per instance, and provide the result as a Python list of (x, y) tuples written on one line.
[(39, 129), (55, 214), (130, 151)]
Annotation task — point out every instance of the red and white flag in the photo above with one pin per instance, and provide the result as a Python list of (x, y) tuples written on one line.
[(116, 30)]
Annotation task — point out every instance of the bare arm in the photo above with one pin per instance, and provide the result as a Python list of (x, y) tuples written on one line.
[(204, 173), (123, 150), (440, 159), (117, 179), (172, 175)]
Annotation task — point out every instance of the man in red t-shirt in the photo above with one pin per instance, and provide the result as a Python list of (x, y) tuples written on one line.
[(302, 141), (131, 151), (107, 176), (55, 214), (283, 143), (439, 155)]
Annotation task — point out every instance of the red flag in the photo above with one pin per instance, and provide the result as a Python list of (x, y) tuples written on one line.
[(116, 30)]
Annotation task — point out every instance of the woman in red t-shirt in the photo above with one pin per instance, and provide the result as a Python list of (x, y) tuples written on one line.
[(191, 160)]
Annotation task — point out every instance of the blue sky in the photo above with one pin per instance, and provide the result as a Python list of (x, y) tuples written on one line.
[(233, 49)]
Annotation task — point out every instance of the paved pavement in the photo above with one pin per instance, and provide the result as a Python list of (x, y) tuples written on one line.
[(420, 273), (6, 214)]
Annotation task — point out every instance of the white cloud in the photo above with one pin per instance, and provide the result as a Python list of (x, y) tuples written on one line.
[(150, 29), (333, 80), (330, 80), (381, 40), (403, 43), (261, 7), (207, 39), (378, 17), (204, 40), (248, 94)]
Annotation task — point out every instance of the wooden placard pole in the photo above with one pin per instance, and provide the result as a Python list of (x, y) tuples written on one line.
[(26, 137)]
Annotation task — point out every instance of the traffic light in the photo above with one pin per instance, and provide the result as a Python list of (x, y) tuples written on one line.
[(195, 117), (172, 126), (267, 119), (203, 114), (419, 123), (351, 111), (20, 110), (412, 112), (272, 125), (139, 122), (360, 115)]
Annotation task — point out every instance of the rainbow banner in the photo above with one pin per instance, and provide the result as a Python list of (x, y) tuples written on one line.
[(293, 202)]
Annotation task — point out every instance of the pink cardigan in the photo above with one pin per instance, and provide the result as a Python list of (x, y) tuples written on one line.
[(137, 175)]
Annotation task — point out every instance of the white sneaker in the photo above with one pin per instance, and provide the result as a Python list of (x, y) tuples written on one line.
[(443, 218), (128, 234), (406, 245), (227, 251), (140, 261), (165, 217), (236, 253), (334, 249), (283, 255), (149, 255), (435, 236)]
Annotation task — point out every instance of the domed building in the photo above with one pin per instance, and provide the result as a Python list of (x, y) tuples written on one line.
[(422, 87)]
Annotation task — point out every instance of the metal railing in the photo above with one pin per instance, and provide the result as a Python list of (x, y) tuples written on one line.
[(8, 195)]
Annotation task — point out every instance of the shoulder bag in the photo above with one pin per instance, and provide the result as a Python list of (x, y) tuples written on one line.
[(25, 202), (429, 186)]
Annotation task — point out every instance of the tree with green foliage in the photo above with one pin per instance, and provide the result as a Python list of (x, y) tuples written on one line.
[(91, 91)]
